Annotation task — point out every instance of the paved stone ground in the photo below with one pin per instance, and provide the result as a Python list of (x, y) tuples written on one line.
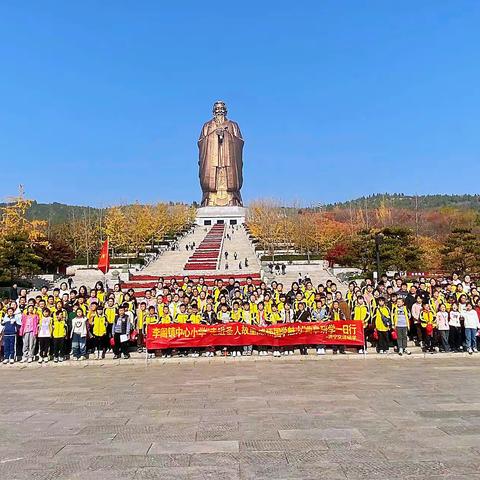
[(287, 419)]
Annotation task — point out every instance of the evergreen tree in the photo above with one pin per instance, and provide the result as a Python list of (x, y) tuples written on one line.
[(461, 251), (17, 257)]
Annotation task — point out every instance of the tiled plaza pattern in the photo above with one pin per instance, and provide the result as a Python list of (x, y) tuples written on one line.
[(287, 419)]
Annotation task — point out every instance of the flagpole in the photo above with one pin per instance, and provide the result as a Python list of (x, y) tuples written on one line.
[(105, 272), (146, 350)]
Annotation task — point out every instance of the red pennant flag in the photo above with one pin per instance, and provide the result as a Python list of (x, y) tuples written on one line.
[(104, 258)]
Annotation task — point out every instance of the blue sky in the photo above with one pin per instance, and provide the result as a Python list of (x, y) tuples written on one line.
[(102, 102)]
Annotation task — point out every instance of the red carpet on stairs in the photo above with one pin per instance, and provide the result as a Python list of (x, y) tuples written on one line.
[(206, 255)]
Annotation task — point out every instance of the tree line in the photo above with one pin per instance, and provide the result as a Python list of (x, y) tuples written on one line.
[(30, 246), (445, 239)]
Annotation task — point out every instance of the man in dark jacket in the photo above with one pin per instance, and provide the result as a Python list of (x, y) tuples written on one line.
[(14, 292)]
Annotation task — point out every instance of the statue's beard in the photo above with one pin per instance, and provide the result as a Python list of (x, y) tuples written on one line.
[(219, 118)]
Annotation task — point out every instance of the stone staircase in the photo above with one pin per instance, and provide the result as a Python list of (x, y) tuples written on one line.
[(235, 241), (172, 262)]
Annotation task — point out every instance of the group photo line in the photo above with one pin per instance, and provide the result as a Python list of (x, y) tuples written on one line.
[(190, 318)]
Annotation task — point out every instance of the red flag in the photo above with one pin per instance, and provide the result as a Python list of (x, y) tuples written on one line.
[(104, 258)]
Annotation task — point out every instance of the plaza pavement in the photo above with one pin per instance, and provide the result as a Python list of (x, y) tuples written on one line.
[(253, 418)]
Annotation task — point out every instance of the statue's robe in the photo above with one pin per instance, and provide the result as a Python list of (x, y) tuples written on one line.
[(228, 154)]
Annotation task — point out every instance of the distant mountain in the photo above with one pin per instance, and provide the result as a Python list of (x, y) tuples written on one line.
[(422, 202), (58, 212)]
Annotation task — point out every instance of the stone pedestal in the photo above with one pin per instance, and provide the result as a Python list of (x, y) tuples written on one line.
[(225, 215)]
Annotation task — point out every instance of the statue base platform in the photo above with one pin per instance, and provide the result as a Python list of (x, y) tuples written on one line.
[(224, 215)]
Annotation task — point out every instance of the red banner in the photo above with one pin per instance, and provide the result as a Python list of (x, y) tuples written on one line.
[(104, 258), (177, 335)]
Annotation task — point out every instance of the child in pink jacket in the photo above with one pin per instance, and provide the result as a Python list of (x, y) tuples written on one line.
[(29, 331)]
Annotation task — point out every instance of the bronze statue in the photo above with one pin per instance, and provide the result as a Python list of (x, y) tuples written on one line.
[(220, 160)]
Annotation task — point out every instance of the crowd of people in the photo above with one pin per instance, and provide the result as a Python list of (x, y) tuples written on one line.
[(438, 315)]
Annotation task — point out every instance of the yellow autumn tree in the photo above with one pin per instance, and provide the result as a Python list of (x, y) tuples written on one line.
[(430, 248), (20, 239), (14, 221), (383, 215), (178, 217), (115, 228), (140, 226), (132, 228), (331, 233), (305, 233), (269, 223)]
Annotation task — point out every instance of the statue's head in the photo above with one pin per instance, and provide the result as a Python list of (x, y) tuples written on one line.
[(219, 108)]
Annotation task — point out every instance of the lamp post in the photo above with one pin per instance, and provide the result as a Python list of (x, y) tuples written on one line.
[(378, 241)]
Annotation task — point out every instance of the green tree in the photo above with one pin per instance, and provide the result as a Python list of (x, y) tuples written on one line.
[(461, 251), (17, 257), (398, 250), (360, 252)]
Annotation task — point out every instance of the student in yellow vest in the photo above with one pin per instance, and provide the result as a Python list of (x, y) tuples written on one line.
[(201, 301), (262, 319), (350, 296), (428, 325), (273, 319), (151, 318), (141, 314), (100, 293), (223, 316), (383, 324), (131, 302), (44, 293), (216, 293), (110, 314), (253, 304), (81, 304), (166, 319), (60, 306), (99, 331), (361, 313), (435, 302), (40, 308), (50, 303), (182, 318), (309, 295), (59, 333), (268, 302), (194, 317), (182, 315), (299, 299), (118, 294), (222, 300), (282, 299), (248, 317), (91, 314), (275, 316), (236, 313)]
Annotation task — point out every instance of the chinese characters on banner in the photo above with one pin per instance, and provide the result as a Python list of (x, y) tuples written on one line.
[(237, 334)]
